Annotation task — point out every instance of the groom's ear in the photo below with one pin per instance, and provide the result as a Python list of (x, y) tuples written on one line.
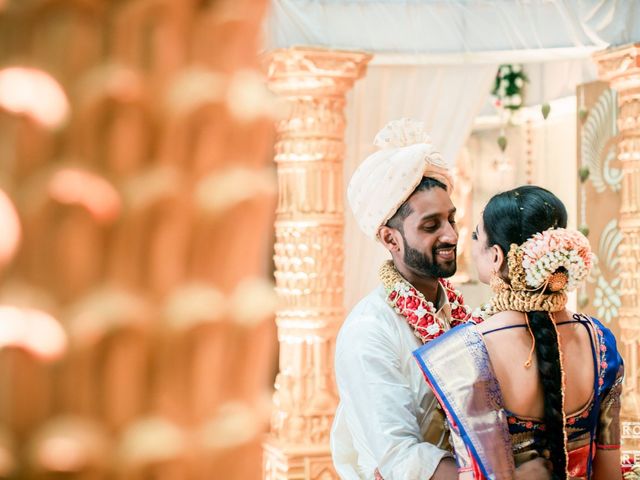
[(390, 238)]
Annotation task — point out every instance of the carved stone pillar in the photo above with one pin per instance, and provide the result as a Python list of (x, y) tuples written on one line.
[(621, 68), (309, 152)]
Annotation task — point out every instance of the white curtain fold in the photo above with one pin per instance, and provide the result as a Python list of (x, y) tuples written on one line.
[(452, 26), (446, 98)]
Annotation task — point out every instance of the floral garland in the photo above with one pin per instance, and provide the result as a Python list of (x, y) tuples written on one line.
[(631, 471), (418, 311)]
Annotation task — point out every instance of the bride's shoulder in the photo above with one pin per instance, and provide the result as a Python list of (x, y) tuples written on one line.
[(500, 320)]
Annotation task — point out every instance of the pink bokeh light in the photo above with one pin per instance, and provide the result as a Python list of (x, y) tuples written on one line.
[(80, 187)]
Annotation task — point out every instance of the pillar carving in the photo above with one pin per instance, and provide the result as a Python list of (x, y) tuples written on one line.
[(309, 251), (621, 68)]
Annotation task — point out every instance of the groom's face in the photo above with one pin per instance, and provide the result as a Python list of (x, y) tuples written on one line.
[(430, 234)]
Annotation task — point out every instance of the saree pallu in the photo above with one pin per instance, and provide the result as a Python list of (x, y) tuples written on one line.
[(490, 441)]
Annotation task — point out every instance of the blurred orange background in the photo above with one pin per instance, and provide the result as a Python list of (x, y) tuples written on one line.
[(136, 320)]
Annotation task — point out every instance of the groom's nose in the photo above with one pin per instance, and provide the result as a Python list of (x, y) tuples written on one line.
[(449, 234)]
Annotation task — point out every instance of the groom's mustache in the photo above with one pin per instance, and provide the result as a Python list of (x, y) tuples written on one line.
[(445, 246)]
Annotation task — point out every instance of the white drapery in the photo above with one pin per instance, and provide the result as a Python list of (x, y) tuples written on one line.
[(453, 26), (446, 98)]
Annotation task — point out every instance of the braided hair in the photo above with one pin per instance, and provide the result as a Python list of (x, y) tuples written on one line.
[(513, 217)]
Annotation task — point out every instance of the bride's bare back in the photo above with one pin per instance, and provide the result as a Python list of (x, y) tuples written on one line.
[(521, 388)]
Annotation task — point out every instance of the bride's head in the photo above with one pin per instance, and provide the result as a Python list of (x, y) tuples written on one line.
[(522, 247), (512, 217)]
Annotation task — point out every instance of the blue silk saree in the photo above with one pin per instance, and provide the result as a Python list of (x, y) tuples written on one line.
[(489, 440)]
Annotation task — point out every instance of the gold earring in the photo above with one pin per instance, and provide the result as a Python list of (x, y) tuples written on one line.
[(496, 283)]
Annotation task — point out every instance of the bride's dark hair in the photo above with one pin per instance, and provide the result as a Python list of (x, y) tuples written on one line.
[(513, 217)]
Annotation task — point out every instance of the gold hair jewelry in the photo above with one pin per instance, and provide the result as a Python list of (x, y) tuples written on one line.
[(496, 283), (519, 297), (528, 301), (517, 276)]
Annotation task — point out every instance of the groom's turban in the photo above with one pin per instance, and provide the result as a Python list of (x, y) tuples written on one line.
[(388, 177)]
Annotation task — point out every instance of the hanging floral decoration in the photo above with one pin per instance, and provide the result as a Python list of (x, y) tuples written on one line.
[(508, 88), (508, 92)]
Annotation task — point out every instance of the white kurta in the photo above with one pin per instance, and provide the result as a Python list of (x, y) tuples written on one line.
[(385, 404)]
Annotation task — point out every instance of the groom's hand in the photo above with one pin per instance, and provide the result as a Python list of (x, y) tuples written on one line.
[(536, 469)]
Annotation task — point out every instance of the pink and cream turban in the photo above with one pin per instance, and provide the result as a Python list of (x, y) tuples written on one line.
[(386, 178)]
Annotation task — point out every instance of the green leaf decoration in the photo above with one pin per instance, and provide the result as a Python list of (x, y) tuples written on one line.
[(583, 173), (545, 109), (582, 114), (584, 229), (502, 143)]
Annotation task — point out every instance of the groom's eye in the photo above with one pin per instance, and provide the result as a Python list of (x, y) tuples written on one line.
[(431, 227)]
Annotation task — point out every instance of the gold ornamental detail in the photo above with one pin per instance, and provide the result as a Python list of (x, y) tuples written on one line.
[(621, 68), (310, 85)]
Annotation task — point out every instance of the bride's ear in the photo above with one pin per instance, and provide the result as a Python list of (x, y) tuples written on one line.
[(497, 258)]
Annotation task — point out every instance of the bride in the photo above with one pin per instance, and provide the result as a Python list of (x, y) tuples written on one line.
[(534, 379)]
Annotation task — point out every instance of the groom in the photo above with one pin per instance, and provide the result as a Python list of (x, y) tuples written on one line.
[(388, 423)]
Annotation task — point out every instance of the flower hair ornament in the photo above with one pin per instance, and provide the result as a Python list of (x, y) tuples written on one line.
[(557, 258), (541, 272), (543, 269)]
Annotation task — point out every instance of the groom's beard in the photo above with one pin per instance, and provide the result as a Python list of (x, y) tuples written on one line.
[(420, 263)]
